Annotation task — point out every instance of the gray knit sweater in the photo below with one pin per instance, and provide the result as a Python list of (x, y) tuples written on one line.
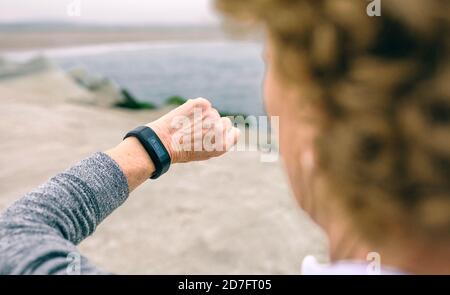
[(39, 232)]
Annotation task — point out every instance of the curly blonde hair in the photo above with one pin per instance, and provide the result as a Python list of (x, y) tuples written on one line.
[(384, 84)]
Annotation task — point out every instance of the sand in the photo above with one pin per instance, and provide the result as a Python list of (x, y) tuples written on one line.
[(230, 215), (35, 38)]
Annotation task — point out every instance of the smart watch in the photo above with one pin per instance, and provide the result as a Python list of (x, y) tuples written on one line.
[(154, 147)]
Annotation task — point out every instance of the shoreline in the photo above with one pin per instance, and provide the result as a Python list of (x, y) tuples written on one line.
[(25, 40), (101, 48)]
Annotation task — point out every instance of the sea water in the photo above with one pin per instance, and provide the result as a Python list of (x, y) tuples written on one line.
[(227, 73)]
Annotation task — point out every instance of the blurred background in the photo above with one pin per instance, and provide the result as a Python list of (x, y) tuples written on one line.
[(75, 75), (157, 49)]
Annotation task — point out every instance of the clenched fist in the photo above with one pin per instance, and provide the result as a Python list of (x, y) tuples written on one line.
[(195, 131)]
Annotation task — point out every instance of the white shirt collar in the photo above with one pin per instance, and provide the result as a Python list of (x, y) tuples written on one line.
[(310, 266)]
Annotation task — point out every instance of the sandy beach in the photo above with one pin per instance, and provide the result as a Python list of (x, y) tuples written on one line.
[(53, 38), (230, 215)]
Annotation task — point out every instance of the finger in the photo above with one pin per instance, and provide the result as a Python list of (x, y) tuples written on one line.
[(212, 115), (215, 114), (212, 120), (232, 137), (226, 126), (226, 123), (190, 105), (221, 128), (201, 102)]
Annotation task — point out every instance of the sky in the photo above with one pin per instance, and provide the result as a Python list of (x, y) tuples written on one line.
[(165, 12)]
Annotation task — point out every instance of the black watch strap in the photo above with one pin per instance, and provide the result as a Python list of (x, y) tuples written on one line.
[(154, 147)]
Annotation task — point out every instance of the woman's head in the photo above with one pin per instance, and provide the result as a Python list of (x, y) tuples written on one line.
[(367, 99)]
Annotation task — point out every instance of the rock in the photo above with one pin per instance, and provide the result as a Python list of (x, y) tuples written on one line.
[(105, 91), (47, 88), (131, 102), (42, 77), (9, 69)]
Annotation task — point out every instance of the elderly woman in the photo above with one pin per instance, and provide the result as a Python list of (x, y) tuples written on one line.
[(364, 107)]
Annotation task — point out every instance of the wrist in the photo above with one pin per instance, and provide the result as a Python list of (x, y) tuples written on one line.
[(134, 161)]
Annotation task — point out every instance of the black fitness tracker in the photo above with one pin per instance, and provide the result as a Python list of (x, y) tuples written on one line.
[(154, 147)]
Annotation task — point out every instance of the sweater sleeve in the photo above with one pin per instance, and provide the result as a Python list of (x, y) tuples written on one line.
[(40, 231)]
